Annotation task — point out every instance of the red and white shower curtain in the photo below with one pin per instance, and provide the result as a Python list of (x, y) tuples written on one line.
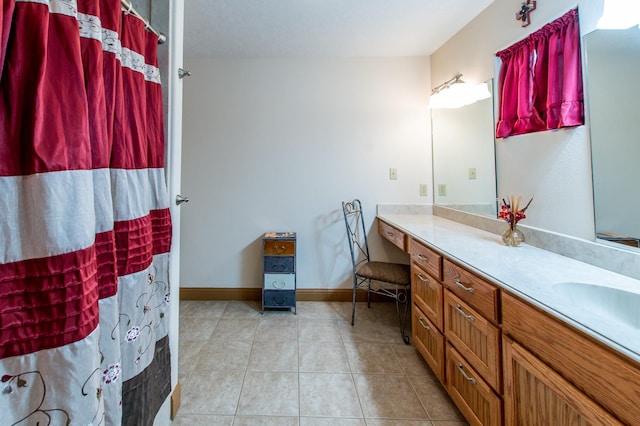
[(85, 230)]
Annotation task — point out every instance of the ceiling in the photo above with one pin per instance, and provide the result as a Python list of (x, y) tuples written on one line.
[(285, 28)]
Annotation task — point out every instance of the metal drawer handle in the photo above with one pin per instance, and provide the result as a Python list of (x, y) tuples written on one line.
[(279, 300), (389, 233), (465, 288), (423, 279), (279, 268), (278, 284), (465, 375), (424, 259), (279, 250), (425, 326), (467, 316)]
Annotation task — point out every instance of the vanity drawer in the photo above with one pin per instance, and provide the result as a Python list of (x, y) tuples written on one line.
[(279, 248), (426, 258), (473, 396), (279, 281), (279, 264), (279, 298), (473, 290), (474, 337), (396, 237), (426, 293), (429, 342)]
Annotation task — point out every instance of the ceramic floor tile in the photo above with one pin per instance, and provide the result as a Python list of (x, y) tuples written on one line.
[(388, 396), (365, 357), (412, 363), (330, 421), (434, 399), (318, 330), (196, 328), (203, 309), (329, 357), (188, 354), (398, 422), (328, 395), (242, 309), (265, 421), (274, 356), (366, 331), (230, 355), (277, 328), (202, 420), (212, 392), (235, 329), (315, 310), (269, 394)]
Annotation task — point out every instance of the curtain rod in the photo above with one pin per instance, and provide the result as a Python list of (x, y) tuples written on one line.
[(128, 6)]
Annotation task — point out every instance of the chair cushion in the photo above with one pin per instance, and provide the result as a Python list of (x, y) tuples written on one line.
[(394, 273)]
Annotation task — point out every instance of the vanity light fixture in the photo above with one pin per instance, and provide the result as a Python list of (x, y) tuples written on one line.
[(619, 15), (456, 93)]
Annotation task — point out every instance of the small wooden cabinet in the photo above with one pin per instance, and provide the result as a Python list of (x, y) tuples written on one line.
[(279, 270)]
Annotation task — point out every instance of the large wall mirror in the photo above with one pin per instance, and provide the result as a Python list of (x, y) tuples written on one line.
[(613, 93), (464, 164)]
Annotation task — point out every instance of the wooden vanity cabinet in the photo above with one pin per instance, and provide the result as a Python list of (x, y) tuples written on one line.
[(478, 402), (429, 341), (537, 395), (593, 371), (473, 290), (392, 234), (475, 338)]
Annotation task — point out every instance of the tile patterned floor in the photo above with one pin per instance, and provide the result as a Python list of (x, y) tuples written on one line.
[(238, 367)]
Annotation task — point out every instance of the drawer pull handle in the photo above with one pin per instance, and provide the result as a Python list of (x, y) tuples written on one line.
[(424, 259), (279, 249), (465, 375), (389, 233), (464, 287), (425, 326), (467, 316), (278, 284), (279, 268), (423, 279)]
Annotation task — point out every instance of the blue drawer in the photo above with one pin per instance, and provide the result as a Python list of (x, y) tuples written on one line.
[(279, 298), (279, 264)]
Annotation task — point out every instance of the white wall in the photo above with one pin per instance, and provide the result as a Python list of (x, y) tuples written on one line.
[(555, 166), (277, 144)]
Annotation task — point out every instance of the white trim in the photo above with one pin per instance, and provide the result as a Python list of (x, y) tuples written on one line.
[(62, 7)]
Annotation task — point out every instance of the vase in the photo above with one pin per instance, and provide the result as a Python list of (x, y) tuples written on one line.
[(512, 237)]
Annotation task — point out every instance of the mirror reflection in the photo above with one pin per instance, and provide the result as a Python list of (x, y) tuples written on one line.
[(613, 92), (464, 173)]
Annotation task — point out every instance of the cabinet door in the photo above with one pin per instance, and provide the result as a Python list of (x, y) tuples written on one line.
[(477, 401), (474, 337), (429, 342), (426, 292), (537, 395)]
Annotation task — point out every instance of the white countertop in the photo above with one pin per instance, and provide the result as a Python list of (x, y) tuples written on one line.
[(538, 275)]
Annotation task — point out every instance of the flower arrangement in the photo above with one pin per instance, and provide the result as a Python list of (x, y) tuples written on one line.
[(511, 212)]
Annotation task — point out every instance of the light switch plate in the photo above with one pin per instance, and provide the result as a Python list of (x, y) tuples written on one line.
[(393, 174), (442, 189), (472, 173), (424, 190)]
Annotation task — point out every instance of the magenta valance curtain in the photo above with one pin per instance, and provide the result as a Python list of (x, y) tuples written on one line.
[(541, 80)]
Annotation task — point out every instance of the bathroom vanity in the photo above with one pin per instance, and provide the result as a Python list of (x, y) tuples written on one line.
[(520, 335)]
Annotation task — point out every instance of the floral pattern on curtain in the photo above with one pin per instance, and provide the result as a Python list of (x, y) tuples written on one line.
[(85, 230), (540, 80)]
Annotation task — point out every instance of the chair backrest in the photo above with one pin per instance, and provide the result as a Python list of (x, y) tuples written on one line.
[(356, 233)]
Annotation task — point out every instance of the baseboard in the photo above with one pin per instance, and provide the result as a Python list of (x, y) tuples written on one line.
[(176, 400), (302, 294)]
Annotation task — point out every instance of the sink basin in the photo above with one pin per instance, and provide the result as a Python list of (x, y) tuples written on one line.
[(605, 303)]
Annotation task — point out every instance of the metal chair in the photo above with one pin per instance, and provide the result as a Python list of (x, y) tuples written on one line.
[(393, 279)]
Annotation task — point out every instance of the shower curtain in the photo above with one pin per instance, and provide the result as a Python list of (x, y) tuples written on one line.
[(85, 229)]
